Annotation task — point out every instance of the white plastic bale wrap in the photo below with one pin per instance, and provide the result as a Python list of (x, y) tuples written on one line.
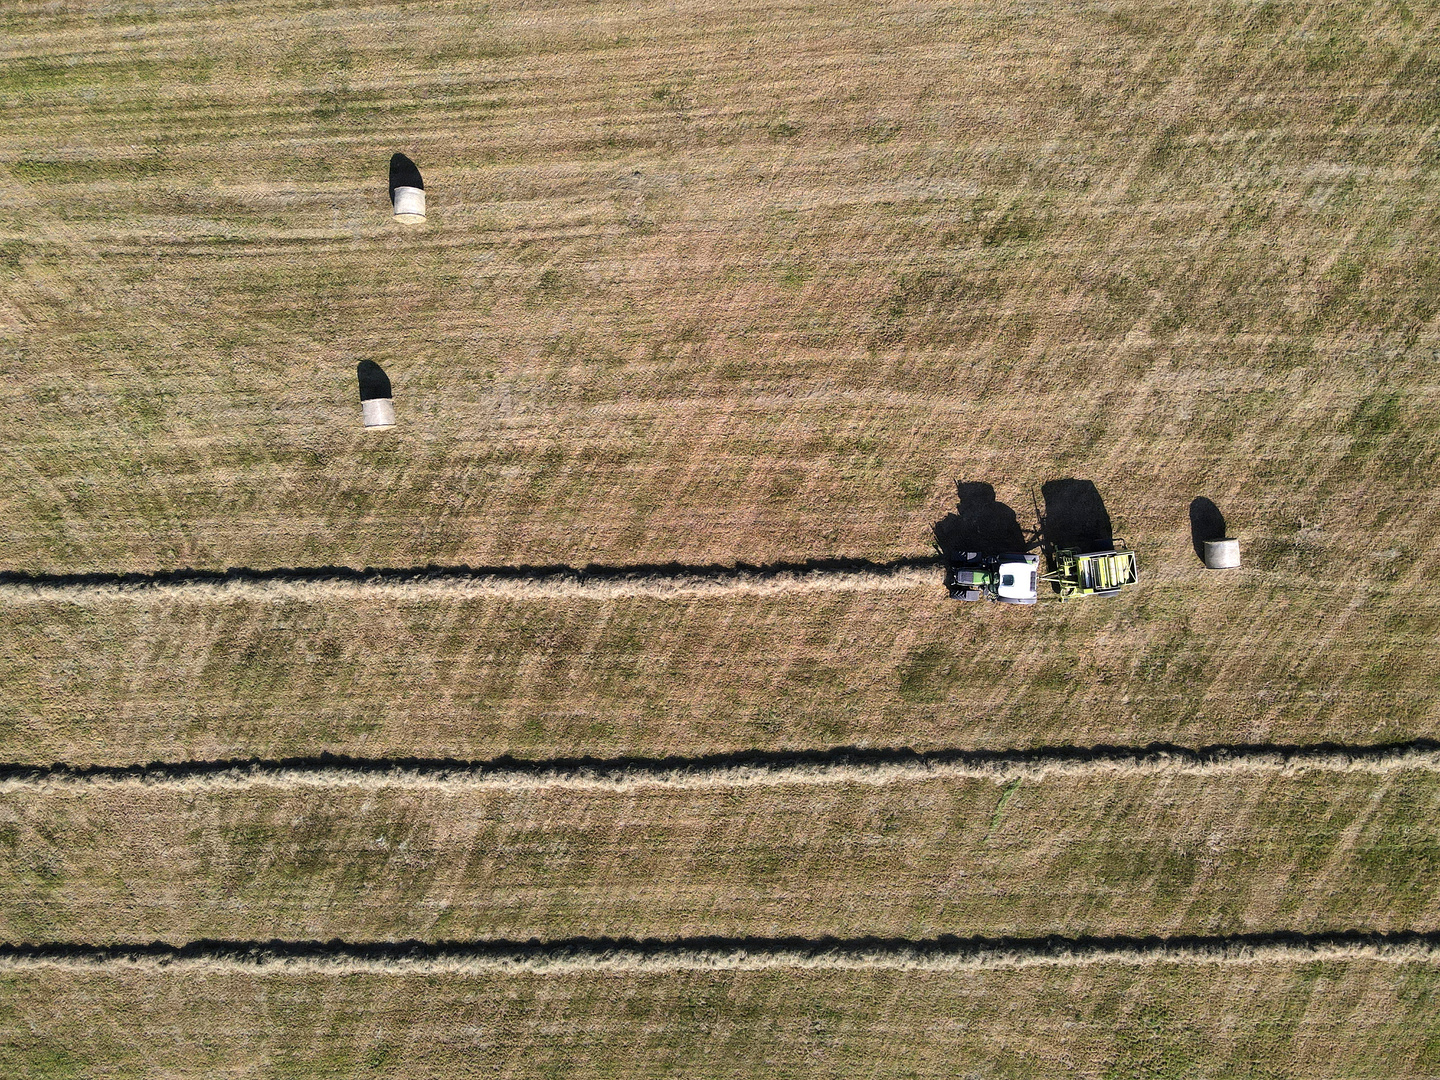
[(378, 412), (409, 205), (1222, 554)]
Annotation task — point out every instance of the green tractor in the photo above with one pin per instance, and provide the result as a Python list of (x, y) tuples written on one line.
[(1009, 579), (1092, 573)]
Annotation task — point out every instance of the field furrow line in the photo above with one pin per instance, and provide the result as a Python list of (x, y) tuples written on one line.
[(719, 954), (737, 770), (515, 583)]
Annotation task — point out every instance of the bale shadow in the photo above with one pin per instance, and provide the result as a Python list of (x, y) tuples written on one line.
[(374, 383), (1206, 523), (1075, 517), (403, 173)]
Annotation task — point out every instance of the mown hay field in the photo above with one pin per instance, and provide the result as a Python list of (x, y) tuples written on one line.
[(1269, 1019), (1204, 657), (1091, 856), (705, 284)]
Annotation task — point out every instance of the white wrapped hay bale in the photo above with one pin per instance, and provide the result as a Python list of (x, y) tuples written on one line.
[(409, 205), (407, 190), (1223, 554), (377, 399), (378, 412)]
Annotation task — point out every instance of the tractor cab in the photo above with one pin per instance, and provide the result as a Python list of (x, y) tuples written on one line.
[(1018, 578)]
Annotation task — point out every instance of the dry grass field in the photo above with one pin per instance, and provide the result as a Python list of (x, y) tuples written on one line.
[(1078, 856), (702, 285), (1265, 1020), (1199, 658)]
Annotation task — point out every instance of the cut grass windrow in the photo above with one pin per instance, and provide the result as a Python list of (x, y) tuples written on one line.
[(628, 957), (515, 583), (845, 765)]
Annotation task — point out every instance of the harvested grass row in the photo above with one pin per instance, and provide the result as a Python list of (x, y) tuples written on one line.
[(745, 770), (652, 958), (420, 585)]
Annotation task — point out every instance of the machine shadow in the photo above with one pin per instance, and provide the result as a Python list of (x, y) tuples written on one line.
[(1074, 517), (404, 173), (980, 525), (980, 528), (374, 383), (1206, 523)]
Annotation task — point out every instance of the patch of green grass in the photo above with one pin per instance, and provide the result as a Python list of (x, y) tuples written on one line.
[(91, 170), (915, 491), (1005, 797), (795, 275), (553, 284), (32, 76), (924, 674), (1154, 1045), (1171, 146), (923, 301), (54, 1063), (878, 132), (1338, 287), (1014, 226), (1402, 855), (1338, 48)]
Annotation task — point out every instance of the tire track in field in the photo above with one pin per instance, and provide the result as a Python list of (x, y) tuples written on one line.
[(842, 765), (658, 581), (621, 956)]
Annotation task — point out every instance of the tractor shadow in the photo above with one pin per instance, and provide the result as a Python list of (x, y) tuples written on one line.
[(1074, 517), (374, 383), (1206, 523), (403, 173), (979, 526)]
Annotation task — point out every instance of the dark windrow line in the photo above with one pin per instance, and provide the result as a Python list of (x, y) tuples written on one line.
[(400, 575), (621, 768), (943, 947)]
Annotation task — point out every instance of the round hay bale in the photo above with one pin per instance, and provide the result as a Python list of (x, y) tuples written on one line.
[(1222, 554), (378, 412), (409, 205)]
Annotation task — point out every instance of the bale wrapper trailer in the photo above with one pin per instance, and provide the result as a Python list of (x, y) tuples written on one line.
[(1093, 573)]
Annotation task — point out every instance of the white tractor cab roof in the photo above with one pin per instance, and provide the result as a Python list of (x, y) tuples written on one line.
[(1018, 579)]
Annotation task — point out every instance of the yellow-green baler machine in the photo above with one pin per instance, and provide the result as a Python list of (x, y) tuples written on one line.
[(1093, 573)]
